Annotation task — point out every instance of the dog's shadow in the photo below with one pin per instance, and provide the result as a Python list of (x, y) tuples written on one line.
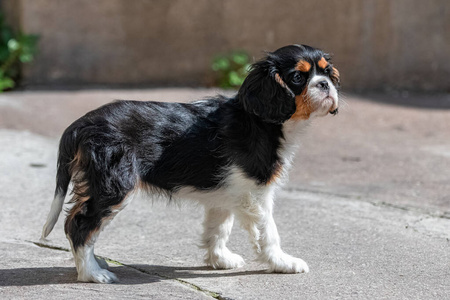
[(128, 275)]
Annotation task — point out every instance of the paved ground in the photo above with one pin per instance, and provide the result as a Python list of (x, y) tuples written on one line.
[(368, 207)]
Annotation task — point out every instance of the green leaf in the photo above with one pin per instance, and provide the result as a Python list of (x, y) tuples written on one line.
[(240, 58), (235, 79), (230, 69), (26, 57), (15, 48), (220, 63), (13, 45), (6, 83)]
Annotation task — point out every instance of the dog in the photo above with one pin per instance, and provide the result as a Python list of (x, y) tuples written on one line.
[(228, 154)]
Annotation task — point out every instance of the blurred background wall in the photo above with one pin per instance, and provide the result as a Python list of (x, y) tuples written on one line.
[(377, 44)]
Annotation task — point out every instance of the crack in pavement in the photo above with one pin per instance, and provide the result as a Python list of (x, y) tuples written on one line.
[(192, 286)]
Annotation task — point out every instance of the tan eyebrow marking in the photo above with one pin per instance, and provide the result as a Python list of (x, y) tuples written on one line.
[(322, 63), (303, 66)]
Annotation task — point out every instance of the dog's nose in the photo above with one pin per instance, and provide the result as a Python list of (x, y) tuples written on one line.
[(323, 85)]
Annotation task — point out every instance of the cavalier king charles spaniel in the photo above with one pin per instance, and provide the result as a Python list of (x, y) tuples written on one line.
[(228, 154)]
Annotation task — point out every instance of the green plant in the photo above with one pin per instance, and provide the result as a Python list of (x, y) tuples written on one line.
[(231, 69), (14, 50)]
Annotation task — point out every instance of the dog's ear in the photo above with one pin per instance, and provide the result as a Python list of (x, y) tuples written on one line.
[(335, 78), (265, 94)]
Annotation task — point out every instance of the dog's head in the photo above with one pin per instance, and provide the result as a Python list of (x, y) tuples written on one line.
[(295, 82)]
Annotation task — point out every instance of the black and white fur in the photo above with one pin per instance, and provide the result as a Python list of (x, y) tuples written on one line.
[(228, 154)]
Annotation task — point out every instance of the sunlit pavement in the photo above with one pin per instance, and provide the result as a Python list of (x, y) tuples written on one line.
[(367, 207)]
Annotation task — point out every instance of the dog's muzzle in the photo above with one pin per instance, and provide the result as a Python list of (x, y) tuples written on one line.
[(335, 111)]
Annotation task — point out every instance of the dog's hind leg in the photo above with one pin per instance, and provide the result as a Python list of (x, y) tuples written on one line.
[(82, 231), (95, 204), (217, 228), (83, 226)]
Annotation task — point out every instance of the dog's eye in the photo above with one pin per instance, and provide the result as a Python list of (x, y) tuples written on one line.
[(328, 70), (297, 78)]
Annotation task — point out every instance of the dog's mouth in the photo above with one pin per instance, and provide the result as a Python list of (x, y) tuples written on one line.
[(334, 111)]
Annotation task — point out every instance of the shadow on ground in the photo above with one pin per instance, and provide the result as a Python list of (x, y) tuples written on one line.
[(152, 274)]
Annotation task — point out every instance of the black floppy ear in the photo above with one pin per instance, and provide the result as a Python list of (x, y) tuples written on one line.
[(265, 94)]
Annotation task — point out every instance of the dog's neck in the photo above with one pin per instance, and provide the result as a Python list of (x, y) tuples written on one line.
[(292, 131)]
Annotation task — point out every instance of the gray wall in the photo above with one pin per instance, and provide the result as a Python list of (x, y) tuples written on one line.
[(377, 44)]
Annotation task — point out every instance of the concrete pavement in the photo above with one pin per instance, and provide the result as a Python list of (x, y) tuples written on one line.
[(367, 207)]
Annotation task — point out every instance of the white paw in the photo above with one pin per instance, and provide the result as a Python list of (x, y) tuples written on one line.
[(99, 276), (101, 262), (285, 263), (224, 259)]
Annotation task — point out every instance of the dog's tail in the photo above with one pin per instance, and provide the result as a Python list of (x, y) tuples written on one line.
[(66, 155)]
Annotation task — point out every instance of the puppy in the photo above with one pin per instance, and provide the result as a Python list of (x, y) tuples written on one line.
[(228, 154)]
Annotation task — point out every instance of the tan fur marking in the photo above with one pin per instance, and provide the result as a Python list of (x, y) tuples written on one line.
[(304, 107), (75, 164), (115, 209), (118, 207), (79, 187), (322, 63), (277, 173), (279, 80), (335, 76), (303, 66), (79, 198)]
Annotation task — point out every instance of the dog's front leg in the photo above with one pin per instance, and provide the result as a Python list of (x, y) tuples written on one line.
[(256, 217), (217, 228)]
